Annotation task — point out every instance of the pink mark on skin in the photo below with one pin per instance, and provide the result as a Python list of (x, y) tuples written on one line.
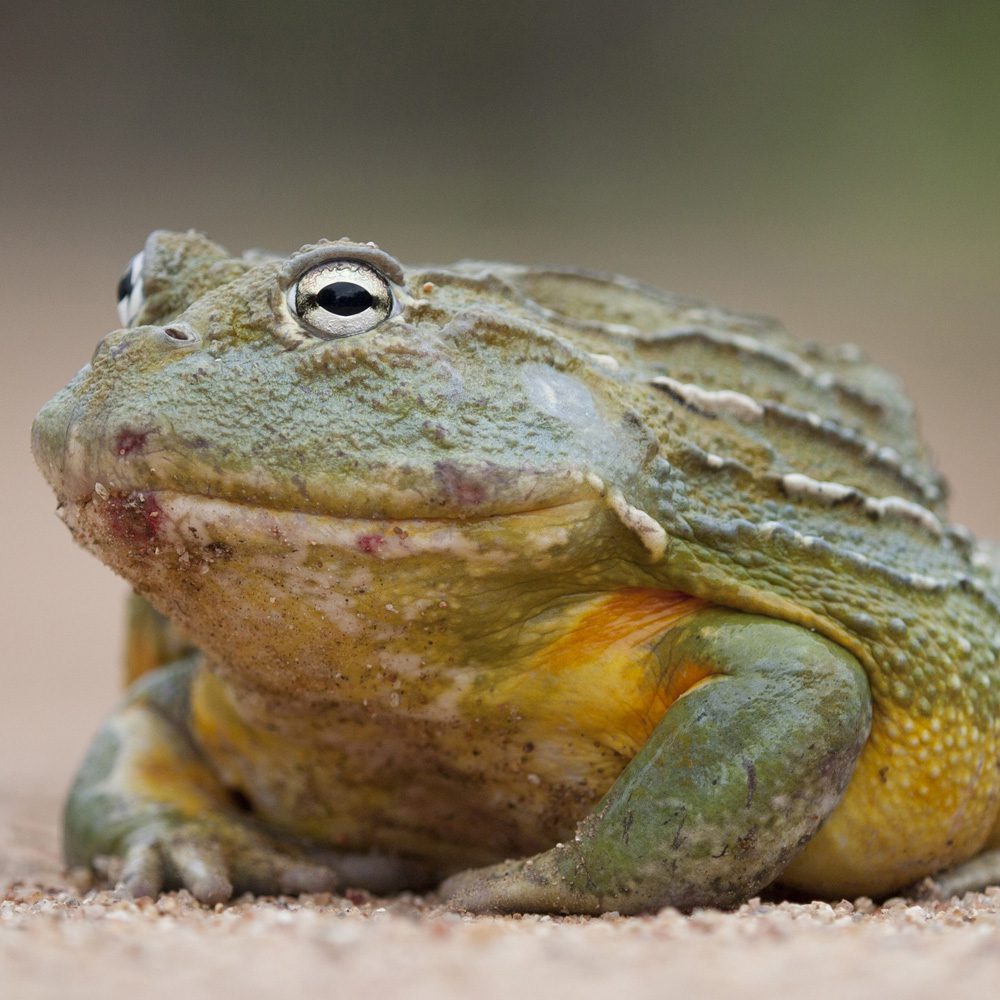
[(135, 518), (370, 543), (466, 489), (130, 441)]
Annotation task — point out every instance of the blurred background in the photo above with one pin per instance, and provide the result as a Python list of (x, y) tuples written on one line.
[(834, 164)]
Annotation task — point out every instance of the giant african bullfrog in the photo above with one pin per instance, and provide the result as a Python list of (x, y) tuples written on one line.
[(544, 587)]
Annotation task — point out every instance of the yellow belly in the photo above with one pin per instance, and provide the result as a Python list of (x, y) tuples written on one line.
[(924, 796), (520, 757)]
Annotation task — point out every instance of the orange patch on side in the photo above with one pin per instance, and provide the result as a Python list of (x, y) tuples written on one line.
[(237, 750), (188, 786), (602, 677), (682, 680), (627, 619), (159, 765), (223, 735)]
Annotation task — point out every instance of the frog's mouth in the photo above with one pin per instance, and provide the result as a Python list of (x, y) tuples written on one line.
[(159, 539), (136, 467), (135, 496), (140, 524)]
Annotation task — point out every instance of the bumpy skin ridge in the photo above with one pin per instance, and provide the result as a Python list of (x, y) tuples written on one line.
[(440, 555)]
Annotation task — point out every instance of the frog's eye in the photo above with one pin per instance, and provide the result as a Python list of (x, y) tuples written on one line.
[(340, 298), (130, 291)]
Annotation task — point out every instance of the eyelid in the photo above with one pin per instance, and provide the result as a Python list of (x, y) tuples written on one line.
[(342, 252)]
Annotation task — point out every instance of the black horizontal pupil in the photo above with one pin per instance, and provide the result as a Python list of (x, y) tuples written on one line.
[(344, 298), (125, 285)]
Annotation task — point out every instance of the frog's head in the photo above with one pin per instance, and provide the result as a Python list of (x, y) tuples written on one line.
[(331, 383)]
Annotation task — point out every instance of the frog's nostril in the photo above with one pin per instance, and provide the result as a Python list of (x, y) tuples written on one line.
[(180, 334)]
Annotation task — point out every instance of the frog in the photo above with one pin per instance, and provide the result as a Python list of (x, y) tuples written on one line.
[(535, 587)]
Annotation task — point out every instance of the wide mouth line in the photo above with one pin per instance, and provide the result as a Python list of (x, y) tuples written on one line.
[(164, 495)]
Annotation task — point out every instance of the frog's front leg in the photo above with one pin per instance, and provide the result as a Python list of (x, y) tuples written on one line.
[(146, 794), (736, 778)]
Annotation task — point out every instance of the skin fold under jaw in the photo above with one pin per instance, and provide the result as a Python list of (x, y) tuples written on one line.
[(548, 589)]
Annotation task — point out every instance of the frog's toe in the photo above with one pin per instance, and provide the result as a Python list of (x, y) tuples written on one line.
[(153, 863), (200, 866), (254, 864), (142, 873), (514, 887), (478, 890), (213, 863)]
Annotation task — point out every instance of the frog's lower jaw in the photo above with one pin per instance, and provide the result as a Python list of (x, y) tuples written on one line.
[(754, 751), (276, 597)]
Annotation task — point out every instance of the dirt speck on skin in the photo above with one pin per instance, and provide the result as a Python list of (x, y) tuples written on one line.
[(58, 940)]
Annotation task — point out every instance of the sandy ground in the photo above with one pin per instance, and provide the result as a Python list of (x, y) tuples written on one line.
[(56, 941)]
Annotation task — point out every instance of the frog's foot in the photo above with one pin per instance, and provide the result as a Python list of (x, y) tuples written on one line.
[(147, 802), (213, 858), (973, 875), (528, 885), (749, 759)]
